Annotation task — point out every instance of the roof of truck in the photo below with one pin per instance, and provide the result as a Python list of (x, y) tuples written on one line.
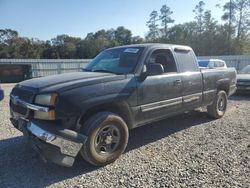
[(154, 45)]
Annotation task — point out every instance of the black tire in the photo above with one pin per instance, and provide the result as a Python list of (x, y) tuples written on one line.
[(218, 108), (102, 130)]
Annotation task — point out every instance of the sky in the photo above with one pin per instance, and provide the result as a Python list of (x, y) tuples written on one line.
[(45, 19)]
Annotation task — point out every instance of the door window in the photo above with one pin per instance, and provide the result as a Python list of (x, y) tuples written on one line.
[(165, 58)]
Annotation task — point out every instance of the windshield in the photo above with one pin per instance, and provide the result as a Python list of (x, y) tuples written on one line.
[(245, 70), (203, 63), (117, 61)]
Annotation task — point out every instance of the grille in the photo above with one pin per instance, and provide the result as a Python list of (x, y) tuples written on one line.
[(23, 94), (19, 109)]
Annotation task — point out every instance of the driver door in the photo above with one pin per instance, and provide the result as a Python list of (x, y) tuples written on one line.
[(160, 95)]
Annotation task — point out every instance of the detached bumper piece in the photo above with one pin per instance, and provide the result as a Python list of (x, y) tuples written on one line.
[(59, 146)]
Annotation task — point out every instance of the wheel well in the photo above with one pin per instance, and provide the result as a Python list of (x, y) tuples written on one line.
[(224, 87), (120, 109)]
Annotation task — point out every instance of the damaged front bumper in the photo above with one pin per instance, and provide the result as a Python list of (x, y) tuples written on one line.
[(60, 146)]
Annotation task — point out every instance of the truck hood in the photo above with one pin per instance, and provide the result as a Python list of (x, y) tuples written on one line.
[(68, 81)]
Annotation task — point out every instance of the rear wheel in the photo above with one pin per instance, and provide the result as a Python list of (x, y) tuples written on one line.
[(218, 108), (107, 138)]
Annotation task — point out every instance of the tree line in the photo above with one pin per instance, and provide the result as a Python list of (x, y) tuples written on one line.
[(204, 34), (63, 46)]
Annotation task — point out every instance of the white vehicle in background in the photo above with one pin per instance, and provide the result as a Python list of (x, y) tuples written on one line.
[(243, 80), (212, 63)]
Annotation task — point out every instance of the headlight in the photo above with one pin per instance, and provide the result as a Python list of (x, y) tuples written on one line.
[(46, 99)]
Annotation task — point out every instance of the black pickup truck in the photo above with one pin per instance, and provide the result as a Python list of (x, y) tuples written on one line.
[(90, 112)]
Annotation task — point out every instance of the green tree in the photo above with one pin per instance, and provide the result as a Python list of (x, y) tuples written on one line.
[(242, 8), (65, 46), (210, 27), (6, 35), (165, 18), (229, 16), (8, 47), (153, 33), (199, 15), (137, 40), (49, 51), (123, 36)]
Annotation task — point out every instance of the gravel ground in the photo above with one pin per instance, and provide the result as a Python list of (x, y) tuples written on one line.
[(190, 150)]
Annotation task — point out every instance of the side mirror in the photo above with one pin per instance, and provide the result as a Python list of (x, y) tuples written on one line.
[(1, 94), (154, 69)]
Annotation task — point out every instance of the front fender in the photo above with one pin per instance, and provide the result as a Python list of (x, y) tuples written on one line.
[(77, 102), (116, 103)]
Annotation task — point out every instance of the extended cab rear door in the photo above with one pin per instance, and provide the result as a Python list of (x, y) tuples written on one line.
[(191, 77)]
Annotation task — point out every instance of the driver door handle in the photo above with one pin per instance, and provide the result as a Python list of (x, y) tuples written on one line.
[(177, 82)]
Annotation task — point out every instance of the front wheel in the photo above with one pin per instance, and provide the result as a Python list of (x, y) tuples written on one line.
[(107, 138), (218, 108)]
